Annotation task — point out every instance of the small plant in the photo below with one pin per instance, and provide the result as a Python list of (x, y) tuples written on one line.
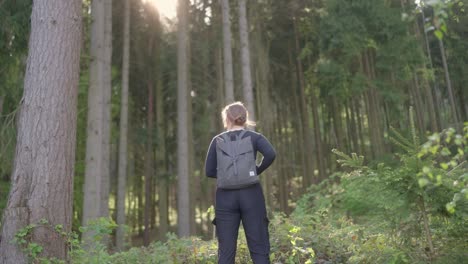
[(33, 250)]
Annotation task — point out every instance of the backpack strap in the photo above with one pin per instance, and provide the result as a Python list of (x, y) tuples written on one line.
[(241, 134), (225, 137)]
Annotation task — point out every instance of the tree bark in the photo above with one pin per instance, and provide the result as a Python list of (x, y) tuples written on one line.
[(1, 104), (448, 82), (309, 177), (148, 165), (227, 52), (42, 177), (183, 163), (123, 141), (107, 111), (245, 60), (98, 132), (161, 160)]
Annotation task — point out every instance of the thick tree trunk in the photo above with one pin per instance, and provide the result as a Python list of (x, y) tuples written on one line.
[(183, 163), (227, 51), (42, 176), (98, 132), (123, 141)]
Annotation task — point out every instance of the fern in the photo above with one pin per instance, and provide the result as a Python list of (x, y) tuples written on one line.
[(404, 143), (353, 161)]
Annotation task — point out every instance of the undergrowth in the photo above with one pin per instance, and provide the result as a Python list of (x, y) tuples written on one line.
[(414, 211)]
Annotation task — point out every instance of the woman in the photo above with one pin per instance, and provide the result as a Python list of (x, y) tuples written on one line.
[(246, 203)]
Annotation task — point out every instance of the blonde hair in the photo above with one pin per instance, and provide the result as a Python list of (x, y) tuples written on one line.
[(236, 114)]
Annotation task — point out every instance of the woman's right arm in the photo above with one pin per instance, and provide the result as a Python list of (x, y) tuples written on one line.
[(268, 152)]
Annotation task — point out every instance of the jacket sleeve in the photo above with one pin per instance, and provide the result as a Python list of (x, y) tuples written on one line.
[(211, 162), (268, 152)]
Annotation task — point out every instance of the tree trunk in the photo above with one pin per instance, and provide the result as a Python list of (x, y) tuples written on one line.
[(436, 88), (309, 177), (1, 104), (360, 126), (372, 107), (245, 60), (227, 49), (42, 176), (338, 125), (123, 142), (161, 160), (183, 163), (448, 82), (298, 126), (148, 165), (107, 111), (98, 132)]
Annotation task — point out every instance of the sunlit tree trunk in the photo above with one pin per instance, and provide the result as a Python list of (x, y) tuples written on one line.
[(183, 163), (227, 51), (42, 176), (98, 132)]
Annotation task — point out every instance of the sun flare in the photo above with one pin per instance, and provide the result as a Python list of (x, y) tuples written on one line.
[(166, 8)]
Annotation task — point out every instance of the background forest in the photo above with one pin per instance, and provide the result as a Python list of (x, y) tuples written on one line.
[(365, 101)]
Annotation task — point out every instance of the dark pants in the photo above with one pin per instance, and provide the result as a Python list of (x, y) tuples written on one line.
[(248, 205)]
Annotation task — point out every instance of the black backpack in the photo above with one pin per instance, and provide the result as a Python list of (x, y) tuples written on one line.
[(236, 162)]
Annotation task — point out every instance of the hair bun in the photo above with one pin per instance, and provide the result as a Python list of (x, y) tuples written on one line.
[(240, 121)]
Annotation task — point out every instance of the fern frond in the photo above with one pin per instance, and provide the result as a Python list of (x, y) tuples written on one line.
[(406, 148), (353, 161), (401, 141)]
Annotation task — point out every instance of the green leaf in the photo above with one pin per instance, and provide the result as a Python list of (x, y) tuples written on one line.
[(445, 152), (439, 34), (426, 170), (450, 207), (423, 182)]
